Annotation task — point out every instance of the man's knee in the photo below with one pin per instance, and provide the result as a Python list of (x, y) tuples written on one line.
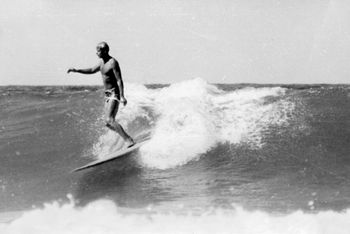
[(109, 122)]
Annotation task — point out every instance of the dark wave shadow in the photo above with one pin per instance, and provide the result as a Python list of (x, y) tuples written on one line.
[(122, 180)]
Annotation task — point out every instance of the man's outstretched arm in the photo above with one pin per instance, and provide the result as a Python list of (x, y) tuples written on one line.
[(85, 71)]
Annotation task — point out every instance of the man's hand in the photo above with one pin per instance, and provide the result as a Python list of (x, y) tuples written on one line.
[(123, 100), (71, 70)]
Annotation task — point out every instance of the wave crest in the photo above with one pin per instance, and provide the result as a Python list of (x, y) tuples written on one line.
[(194, 116)]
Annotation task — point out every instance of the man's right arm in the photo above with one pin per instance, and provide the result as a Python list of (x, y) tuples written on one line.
[(85, 71)]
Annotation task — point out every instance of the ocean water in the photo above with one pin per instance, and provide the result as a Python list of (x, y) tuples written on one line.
[(222, 158)]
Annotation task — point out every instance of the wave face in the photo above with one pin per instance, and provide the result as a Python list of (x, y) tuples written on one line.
[(270, 148)]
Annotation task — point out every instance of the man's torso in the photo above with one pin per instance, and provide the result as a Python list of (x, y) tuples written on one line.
[(109, 79)]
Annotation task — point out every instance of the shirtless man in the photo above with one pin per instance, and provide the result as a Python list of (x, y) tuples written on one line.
[(114, 88)]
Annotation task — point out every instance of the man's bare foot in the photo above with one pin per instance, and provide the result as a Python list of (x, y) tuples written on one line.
[(131, 142)]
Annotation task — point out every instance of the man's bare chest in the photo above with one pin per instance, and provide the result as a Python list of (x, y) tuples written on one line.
[(106, 69)]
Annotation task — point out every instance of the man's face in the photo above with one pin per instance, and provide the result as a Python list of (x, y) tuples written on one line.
[(99, 51)]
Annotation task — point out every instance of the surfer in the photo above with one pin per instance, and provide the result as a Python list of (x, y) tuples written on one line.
[(114, 88)]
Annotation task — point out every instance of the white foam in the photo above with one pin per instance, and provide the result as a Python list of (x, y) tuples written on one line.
[(104, 217), (194, 116), (184, 128), (245, 115)]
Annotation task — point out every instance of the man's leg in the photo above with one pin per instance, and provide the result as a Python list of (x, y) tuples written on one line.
[(111, 111)]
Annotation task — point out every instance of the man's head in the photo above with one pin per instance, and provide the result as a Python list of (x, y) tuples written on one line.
[(102, 49)]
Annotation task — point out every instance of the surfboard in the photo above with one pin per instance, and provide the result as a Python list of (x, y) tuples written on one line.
[(113, 156)]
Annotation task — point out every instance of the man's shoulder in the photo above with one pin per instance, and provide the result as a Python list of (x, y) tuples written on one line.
[(113, 60)]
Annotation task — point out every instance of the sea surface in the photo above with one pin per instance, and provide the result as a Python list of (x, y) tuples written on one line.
[(222, 158)]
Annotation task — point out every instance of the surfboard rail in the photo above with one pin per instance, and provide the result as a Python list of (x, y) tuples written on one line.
[(112, 156)]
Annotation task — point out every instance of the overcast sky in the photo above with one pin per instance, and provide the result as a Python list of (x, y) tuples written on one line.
[(166, 41)]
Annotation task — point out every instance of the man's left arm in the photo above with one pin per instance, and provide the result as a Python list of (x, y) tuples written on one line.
[(118, 77)]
